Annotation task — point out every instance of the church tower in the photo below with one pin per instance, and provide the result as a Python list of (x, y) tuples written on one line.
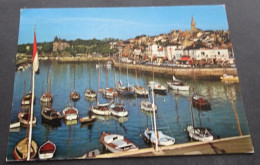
[(193, 26)]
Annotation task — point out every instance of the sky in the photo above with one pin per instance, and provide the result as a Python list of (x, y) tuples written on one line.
[(120, 23)]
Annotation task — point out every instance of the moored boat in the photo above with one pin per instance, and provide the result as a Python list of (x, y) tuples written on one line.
[(227, 77), (91, 154), (15, 125), (101, 109), (47, 150), (163, 140), (89, 93), (23, 118), (200, 102), (200, 134), (47, 97), (21, 149), (117, 143), (87, 119), (26, 100), (75, 95), (118, 110), (51, 116), (109, 93), (140, 91), (177, 85), (148, 106), (158, 88), (70, 113)]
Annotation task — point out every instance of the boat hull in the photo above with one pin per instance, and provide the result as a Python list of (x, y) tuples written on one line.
[(47, 150), (147, 106), (176, 87), (196, 135), (70, 115), (20, 150)]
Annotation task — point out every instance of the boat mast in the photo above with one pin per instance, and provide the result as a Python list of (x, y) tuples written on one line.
[(127, 75), (152, 67), (114, 78), (235, 110), (98, 85), (69, 90), (136, 75), (154, 119), (88, 76), (49, 90), (23, 95), (74, 76), (106, 77)]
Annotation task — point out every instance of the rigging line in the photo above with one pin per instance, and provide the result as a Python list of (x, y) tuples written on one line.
[(162, 116)]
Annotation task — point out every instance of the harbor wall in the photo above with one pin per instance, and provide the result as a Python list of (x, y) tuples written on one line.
[(82, 59), (181, 72)]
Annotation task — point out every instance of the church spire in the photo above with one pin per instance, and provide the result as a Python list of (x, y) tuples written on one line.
[(193, 26)]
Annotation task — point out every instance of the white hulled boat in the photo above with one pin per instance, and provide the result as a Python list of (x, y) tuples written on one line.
[(118, 110), (47, 150), (117, 143), (177, 85)]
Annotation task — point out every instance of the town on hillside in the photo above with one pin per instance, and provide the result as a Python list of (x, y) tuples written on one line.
[(194, 47)]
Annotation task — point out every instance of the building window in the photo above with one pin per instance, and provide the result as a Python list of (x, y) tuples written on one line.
[(203, 53), (218, 53)]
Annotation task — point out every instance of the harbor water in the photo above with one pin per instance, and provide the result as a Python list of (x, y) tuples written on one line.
[(173, 114)]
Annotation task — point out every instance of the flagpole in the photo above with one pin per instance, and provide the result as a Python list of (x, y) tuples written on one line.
[(31, 109), (31, 118)]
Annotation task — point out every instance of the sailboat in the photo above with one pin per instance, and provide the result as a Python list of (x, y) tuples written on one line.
[(26, 100), (147, 106), (118, 110), (157, 87), (177, 85), (196, 133), (47, 97), (139, 90), (125, 90), (100, 109), (154, 136), (75, 95), (199, 101), (70, 112), (27, 148), (23, 116), (109, 92), (89, 93)]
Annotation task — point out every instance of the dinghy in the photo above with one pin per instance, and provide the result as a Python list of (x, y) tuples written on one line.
[(117, 143), (47, 150)]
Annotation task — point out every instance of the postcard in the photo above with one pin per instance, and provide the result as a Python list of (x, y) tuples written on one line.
[(126, 82)]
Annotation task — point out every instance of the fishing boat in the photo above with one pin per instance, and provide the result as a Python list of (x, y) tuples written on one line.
[(200, 134), (148, 106), (200, 102), (163, 140), (117, 143), (24, 116), (47, 150), (70, 112), (118, 110), (74, 95), (51, 116), (100, 109), (227, 77), (21, 149), (15, 125), (177, 85), (21, 68), (154, 136)]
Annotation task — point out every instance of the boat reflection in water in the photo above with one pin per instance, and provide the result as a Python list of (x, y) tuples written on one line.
[(71, 122)]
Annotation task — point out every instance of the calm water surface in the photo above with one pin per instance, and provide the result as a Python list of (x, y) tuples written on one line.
[(173, 113)]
